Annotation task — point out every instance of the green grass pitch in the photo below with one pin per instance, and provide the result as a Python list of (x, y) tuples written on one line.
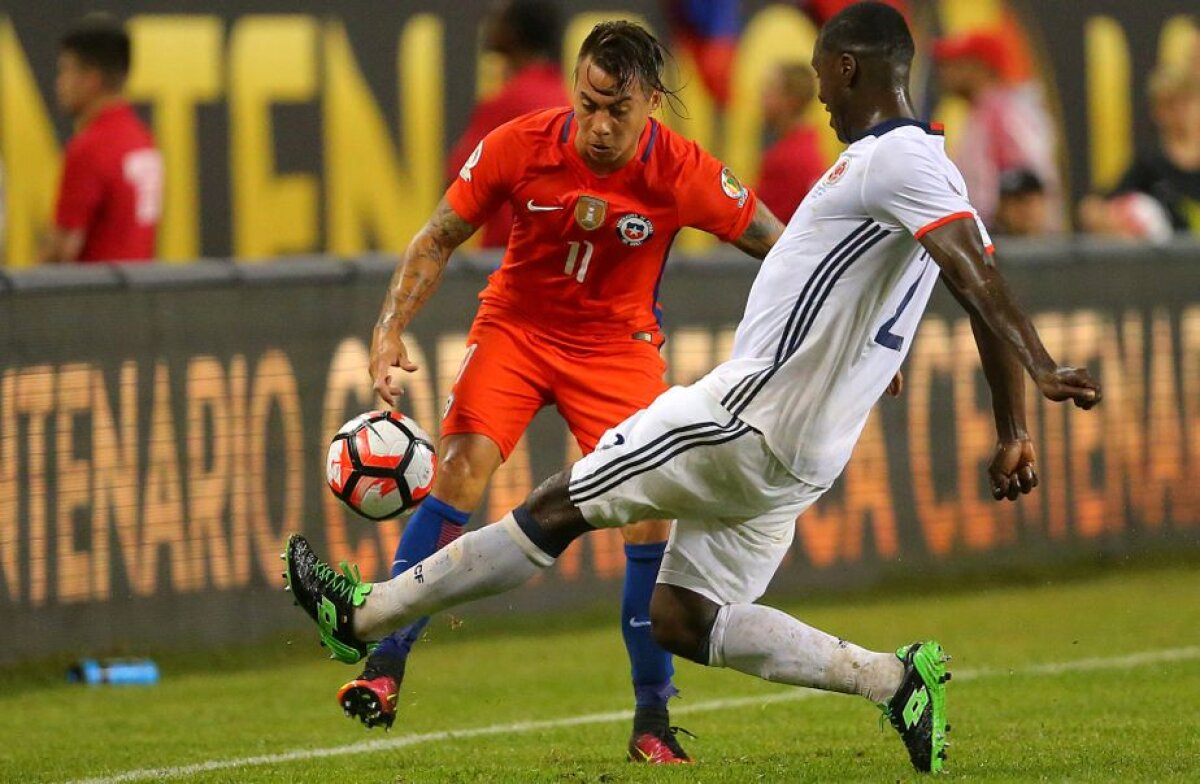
[(1096, 679)]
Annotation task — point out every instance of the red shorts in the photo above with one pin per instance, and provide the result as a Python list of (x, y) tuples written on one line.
[(510, 372)]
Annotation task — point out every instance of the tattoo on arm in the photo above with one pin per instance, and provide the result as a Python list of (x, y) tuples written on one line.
[(761, 234), (424, 261)]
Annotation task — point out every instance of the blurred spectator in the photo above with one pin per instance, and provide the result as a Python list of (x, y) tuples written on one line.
[(1022, 208), (1169, 177), (527, 34), (822, 11), (110, 197), (794, 162), (1008, 126), (709, 30)]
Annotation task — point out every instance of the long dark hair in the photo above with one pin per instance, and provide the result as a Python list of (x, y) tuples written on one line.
[(630, 53)]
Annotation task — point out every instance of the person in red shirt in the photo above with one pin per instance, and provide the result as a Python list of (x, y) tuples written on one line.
[(599, 190), (527, 34), (794, 163), (110, 197)]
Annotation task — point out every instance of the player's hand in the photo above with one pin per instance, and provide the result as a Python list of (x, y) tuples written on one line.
[(1012, 470), (1067, 383), (388, 358), (896, 386)]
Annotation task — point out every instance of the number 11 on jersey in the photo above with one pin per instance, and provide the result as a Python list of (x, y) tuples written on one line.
[(573, 256)]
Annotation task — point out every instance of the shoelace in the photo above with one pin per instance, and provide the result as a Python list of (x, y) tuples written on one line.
[(343, 583), (673, 744)]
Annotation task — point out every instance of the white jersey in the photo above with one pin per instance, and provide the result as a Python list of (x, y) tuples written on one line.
[(835, 305)]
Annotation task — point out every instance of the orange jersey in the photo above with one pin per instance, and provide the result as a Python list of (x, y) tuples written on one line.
[(587, 252)]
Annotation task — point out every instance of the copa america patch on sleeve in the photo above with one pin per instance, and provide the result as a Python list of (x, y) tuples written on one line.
[(733, 187)]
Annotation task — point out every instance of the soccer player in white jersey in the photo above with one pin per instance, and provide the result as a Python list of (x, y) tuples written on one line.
[(735, 457)]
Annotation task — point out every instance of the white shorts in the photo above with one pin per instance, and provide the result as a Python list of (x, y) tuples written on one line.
[(686, 458)]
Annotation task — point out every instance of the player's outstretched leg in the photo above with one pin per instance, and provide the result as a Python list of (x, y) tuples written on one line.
[(769, 644), (372, 696), (497, 558)]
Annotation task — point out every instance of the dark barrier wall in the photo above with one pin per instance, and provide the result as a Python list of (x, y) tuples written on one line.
[(162, 429), (299, 126)]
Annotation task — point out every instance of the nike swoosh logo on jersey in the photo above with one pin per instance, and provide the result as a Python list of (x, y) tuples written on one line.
[(542, 208), (634, 623)]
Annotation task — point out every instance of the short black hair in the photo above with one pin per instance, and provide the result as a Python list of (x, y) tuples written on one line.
[(1020, 182), (100, 42), (536, 25), (870, 30), (627, 52)]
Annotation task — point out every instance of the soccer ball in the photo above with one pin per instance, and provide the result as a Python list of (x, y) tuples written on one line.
[(381, 464)]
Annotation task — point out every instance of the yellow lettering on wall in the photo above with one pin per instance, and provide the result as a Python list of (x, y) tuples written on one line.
[(240, 507), (10, 526), (1087, 431), (1165, 474), (162, 496), (116, 467), (976, 439), (176, 65), (29, 150), (272, 59), (512, 482), (370, 190), (691, 355), (209, 457), (1189, 339), (34, 397), (868, 494), (274, 387), (72, 490), (1124, 412), (1051, 328), (1110, 111), (931, 354), (348, 393)]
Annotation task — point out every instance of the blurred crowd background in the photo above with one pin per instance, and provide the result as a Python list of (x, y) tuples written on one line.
[(260, 129)]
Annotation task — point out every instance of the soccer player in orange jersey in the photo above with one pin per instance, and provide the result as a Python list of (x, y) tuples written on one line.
[(598, 191)]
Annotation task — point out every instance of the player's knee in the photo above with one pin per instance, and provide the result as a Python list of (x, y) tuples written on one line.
[(463, 474), (679, 625), (647, 532)]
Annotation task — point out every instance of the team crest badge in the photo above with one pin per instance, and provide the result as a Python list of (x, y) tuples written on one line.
[(837, 171), (634, 229), (590, 212), (733, 186)]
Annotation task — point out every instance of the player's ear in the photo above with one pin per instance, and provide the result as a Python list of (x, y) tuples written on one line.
[(655, 100), (848, 67)]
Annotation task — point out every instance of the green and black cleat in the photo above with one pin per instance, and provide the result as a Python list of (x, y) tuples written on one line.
[(918, 709), (329, 596)]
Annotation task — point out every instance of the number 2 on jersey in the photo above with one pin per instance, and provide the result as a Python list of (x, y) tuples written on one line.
[(885, 337), (573, 256)]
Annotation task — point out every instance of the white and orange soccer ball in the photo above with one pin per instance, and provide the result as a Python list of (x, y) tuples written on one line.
[(381, 464)]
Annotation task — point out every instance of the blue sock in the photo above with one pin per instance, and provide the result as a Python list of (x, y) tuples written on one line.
[(434, 525), (652, 666)]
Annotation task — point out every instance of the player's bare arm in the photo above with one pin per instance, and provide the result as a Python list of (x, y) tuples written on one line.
[(762, 233), (1007, 342), (62, 245), (958, 250), (411, 286)]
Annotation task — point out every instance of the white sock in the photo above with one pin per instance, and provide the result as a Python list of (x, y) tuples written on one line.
[(492, 560), (773, 645)]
